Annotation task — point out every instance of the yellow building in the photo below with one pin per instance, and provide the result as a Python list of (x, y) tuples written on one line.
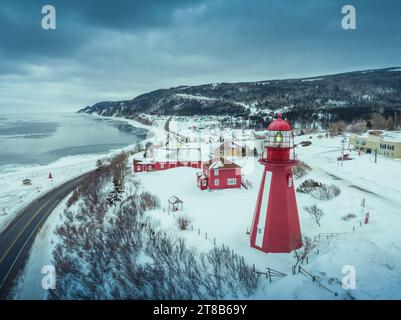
[(386, 143), (232, 149)]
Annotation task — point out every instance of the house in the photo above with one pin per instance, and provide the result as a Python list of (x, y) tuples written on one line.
[(219, 173), (202, 180), (385, 143), (143, 165), (188, 155), (232, 149)]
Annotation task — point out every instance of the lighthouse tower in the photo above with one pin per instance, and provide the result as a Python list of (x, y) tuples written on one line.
[(275, 226)]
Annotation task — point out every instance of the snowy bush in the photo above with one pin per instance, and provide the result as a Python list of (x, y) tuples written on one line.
[(183, 222), (319, 190), (308, 185), (305, 143), (315, 213), (348, 217), (118, 252), (326, 192), (301, 169), (148, 201)]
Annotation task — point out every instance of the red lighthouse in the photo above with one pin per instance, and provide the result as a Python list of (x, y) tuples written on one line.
[(275, 225)]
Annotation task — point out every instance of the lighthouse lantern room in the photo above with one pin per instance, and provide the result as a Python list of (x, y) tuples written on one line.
[(275, 226)]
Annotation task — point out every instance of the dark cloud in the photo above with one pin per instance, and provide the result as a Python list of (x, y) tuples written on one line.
[(117, 49)]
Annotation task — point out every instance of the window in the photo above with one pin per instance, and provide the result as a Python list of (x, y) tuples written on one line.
[(204, 183), (231, 181), (216, 172), (216, 182), (149, 168), (138, 168), (162, 165)]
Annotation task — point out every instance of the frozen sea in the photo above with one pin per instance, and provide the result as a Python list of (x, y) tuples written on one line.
[(40, 139)]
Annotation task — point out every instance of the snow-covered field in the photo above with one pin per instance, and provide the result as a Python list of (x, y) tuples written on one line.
[(224, 216), (14, 195), (373, 249)]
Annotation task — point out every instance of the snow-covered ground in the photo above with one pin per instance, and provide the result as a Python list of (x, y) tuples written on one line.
[(14, 195), (224, 216), (373, 249), (29, 285)]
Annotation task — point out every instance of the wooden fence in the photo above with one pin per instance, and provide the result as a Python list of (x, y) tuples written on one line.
[(315, 279)]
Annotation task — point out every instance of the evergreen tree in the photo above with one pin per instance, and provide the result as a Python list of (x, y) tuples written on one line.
[(99, 165)]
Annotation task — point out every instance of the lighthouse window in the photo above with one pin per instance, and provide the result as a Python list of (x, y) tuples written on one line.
[(278, 138)]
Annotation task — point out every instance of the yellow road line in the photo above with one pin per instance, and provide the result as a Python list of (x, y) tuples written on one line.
[(23, 247), (26, 226), (29, 222)]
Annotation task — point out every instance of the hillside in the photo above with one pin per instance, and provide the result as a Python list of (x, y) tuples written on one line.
[(347, 96)]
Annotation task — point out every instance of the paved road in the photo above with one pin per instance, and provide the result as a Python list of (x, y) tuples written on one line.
[(17, 238)]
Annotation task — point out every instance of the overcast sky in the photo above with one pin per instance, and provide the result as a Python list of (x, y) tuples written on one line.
[(113, 50)]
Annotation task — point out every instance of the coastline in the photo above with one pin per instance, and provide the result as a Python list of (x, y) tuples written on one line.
[(14, 196)]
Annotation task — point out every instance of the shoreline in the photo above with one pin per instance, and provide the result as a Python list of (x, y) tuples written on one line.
[(15, 196)]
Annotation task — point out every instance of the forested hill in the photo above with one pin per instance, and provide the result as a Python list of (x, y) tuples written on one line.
[(347, 96)]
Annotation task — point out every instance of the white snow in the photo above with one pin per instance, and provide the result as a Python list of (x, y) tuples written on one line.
[(311, 80), (373, 249), (29, 285), (224, 217), (14, 195)]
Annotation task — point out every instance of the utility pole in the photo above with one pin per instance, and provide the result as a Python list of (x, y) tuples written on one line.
[(376, 155), (342, 151)]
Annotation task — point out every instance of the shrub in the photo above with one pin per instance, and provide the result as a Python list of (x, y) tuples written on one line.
[(301, 169), (319, 190), (305, 143), (183, 222), (148, 201), (326, 192), (349, 216), (308, 185)]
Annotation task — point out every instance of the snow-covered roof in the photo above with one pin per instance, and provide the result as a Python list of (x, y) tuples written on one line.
[(142, 161), (393, 136), (177, 154), (201, 175), (220, 162), (174, 200)]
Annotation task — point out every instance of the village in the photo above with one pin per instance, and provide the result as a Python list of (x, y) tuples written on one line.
[(208, 181), (211, 183)]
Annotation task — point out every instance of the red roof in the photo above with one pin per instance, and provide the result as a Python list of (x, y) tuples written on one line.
[(279, 124)]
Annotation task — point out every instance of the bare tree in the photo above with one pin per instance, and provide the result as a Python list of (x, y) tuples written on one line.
[(378, 121), (315, 213), (301, 254)]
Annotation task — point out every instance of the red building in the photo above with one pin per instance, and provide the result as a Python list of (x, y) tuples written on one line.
[(275, 225), (143, 166), (219, 173), (147, 166), (164, 165)]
